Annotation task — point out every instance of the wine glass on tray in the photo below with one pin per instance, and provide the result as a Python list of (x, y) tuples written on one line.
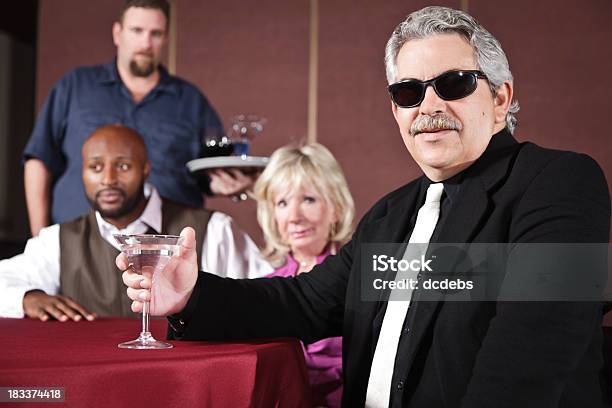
[(216, 143)]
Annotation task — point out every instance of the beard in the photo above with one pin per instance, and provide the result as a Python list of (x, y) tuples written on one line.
[(142, 68), (127, 203)]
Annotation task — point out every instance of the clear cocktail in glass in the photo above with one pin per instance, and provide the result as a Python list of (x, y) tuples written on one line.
[(148, 255)]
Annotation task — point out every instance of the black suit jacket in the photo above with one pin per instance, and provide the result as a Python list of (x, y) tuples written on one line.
[(472, 354)]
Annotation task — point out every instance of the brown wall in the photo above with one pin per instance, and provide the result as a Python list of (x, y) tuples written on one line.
[(252, 57), (249, 57)]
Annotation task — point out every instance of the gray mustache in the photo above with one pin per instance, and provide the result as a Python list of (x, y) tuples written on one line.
[(433, 123)]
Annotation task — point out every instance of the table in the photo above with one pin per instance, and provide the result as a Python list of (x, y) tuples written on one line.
[(83, 358)]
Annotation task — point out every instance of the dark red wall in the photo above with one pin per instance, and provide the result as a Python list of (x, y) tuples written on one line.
[(560, 56), (249, 57), (252, 57)]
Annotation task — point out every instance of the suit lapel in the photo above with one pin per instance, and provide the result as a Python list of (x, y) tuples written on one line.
[(393, 227), (466, 214)]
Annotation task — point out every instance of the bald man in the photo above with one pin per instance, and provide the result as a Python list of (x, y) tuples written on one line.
[(68, 271)]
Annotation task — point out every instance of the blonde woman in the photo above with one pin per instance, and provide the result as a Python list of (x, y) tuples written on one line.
[(306, 212)]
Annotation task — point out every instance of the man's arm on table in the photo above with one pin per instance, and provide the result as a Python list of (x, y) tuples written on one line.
[(531, 348), (29, 282), (37, 182)]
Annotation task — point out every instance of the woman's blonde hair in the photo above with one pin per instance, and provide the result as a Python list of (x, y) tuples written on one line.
[(290, 168)]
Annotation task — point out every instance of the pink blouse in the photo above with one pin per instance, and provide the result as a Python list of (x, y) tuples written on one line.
[(323, 358)]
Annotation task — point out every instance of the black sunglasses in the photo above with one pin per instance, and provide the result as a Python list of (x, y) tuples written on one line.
[(449, 86)]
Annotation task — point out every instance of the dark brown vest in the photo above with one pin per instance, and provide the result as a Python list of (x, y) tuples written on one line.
[(88, 273)]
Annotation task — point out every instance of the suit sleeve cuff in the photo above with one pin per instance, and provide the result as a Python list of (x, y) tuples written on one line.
[(179, 321)]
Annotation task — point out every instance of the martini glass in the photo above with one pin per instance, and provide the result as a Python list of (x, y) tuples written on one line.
[(148, 255), (244, 129)]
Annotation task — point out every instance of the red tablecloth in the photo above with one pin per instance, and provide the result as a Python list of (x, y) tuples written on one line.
[(83, 358)]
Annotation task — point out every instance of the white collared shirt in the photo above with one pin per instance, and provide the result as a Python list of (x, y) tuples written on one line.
[(226, 251)]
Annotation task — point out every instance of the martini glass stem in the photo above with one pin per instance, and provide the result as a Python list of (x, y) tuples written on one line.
[(145, 321)]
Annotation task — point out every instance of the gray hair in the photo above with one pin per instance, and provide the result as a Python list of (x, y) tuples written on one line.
[(429, 21)]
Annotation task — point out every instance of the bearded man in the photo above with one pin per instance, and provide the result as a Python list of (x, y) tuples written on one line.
[(172, 116)]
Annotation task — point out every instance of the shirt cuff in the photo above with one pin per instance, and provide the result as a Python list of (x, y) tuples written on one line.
[(179, 321), (12, 302)]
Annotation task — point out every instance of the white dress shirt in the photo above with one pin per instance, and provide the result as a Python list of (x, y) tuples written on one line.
[(226, 251)]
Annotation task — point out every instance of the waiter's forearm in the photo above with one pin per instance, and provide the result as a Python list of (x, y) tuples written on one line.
[(37, 180)]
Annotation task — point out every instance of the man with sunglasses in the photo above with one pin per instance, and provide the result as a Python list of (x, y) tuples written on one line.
[(452, 97)]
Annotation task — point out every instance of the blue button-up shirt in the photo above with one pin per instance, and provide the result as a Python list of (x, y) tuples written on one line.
[(172, 119)]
